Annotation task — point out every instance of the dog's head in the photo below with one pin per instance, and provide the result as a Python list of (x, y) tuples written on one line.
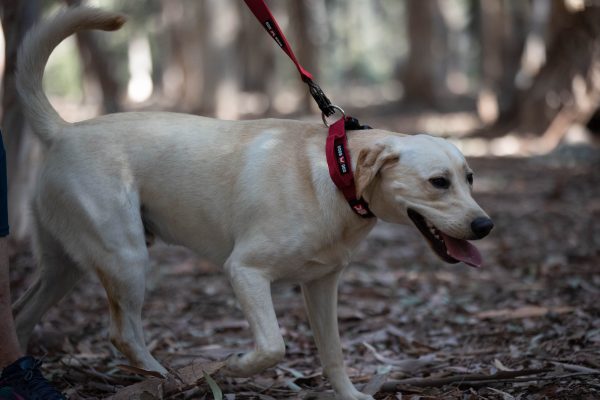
[(427, 181)]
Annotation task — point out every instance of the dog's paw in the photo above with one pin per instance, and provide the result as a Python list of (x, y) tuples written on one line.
[(234, 366), (251, 363), (364, 396), (357, 396)]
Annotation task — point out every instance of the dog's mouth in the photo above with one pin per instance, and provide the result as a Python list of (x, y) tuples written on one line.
[(449, 249)]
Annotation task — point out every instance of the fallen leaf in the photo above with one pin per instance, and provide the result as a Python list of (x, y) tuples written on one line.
[(149, 389), (214, 388), (403, 365), (523, 312), (498, 364), (195, 372), (505, 396), (139, 371), (375, 384)]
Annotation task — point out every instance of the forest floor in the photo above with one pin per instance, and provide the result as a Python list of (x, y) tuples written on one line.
[(533, 308)]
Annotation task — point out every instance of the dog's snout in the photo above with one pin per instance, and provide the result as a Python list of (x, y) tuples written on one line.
[(481, 227)]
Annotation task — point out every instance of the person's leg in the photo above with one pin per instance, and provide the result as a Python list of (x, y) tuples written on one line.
[(9, 351), (21, 377)]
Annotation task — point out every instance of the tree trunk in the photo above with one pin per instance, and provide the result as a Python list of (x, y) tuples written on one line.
[(97, 68), (23, 151), (183, 68), (502, 43), (491, 59), (567, 89), (257, 53), (515, 36), (220, 92), (422, 78)]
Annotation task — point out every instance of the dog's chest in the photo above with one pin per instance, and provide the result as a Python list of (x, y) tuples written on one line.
[(305, 270), (315, 260)]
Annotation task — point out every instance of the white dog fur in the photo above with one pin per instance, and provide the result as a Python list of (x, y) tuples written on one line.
[(253, 196)]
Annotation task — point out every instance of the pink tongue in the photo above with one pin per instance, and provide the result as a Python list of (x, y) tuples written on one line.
[(462, 251)]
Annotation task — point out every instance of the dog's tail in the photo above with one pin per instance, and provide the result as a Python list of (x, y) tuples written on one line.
[(33, 56)]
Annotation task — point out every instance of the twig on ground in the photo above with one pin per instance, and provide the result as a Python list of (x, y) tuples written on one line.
[(479, 380), (521, 380), (575, 367), (403, 365), (433, 382), (375, 384)]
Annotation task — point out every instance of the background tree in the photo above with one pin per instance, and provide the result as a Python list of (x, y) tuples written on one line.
[(423, 75), (97, 69), (567, 88)]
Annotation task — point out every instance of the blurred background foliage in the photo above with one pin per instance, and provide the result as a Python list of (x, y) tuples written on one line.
[(500, 77)]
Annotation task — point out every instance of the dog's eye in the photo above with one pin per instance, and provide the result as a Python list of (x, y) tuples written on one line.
[(470, 178), (440, 183)]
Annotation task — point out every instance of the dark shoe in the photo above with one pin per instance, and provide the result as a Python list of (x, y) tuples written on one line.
[(23, 380)]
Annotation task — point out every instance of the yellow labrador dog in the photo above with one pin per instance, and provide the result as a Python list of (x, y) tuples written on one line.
[(253, 196)]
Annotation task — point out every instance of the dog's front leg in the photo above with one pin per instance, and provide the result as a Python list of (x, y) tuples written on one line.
[(320, 297), (253, 291)]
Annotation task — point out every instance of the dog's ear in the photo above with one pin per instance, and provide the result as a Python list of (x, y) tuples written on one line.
[(370, 161)]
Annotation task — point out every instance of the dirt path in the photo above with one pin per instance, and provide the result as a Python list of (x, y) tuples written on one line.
[(534, 305)]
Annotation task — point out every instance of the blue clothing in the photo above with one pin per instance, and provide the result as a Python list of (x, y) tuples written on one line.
[(3, 192)]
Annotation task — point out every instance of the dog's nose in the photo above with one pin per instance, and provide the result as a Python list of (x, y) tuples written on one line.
[(481, 226)]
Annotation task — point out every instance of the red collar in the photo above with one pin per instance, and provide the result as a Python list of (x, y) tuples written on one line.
[(340, 167), (338, 157)]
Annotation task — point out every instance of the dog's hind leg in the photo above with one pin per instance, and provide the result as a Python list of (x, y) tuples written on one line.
[(57, 275), (98, 221), (123, 277), (120, 259)]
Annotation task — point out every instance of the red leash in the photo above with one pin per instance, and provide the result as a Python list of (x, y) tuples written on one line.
[(267, 20), (264, 16), (336, 148)]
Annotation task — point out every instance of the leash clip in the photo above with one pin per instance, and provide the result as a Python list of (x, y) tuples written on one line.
[(334, 107)]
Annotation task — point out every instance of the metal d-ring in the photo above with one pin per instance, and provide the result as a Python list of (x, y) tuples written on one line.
[(324, 117)]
